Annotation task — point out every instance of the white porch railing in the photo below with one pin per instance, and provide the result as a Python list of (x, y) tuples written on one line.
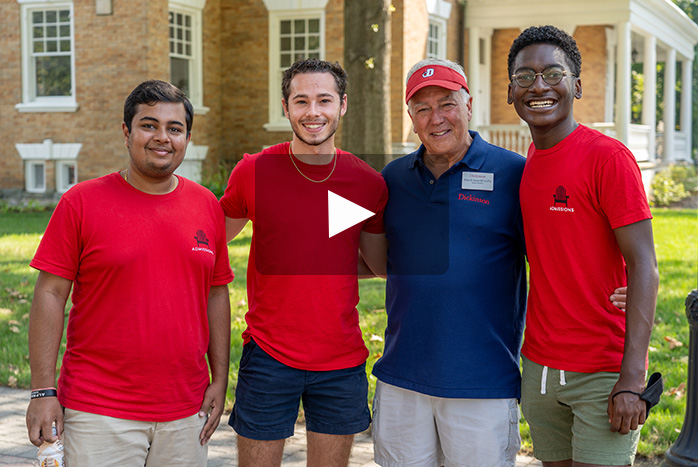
[(639, 143), (515, 138), (681, 146)]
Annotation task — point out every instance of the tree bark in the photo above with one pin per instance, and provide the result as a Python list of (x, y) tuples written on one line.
[(366, 128)]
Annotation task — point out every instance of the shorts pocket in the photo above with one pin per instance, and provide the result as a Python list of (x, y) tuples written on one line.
[(514, 443), (247, 350)]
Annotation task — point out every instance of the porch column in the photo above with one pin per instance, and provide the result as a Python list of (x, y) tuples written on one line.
[(610, 74), (669, 105), (474, 74), (687, 105), (623, 102), (649, 97)]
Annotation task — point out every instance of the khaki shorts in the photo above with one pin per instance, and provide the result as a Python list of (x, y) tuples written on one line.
[(568, 418), (413, 429), (90, 440)]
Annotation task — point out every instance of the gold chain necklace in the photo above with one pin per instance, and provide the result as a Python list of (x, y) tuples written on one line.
[(290, 154)]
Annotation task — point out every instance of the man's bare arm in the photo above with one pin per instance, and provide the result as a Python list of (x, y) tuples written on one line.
[(373, 249), (46, 319), (233, 227), (218, 359), (626, 411)]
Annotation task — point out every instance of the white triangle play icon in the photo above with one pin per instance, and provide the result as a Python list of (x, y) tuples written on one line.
[(343, 214)]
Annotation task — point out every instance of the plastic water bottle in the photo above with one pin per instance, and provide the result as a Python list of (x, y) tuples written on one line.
[(51, 454)]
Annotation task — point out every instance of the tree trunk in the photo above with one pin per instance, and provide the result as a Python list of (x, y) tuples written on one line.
[(366, 127)]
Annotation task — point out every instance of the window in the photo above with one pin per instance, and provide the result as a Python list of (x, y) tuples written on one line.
[(36, 177), (292, 38), (48, 60), (186, 54), (299, 39), (436, 39), (66, 175), (439, 13), (36, 158), (181, 53)]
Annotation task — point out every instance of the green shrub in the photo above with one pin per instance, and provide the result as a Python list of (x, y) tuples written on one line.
[(29, 206), (676, 182), (217, 179)]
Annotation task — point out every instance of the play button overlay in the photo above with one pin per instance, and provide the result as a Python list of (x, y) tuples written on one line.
[(343, 214)]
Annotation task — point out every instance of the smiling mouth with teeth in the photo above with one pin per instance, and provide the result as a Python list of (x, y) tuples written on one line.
[(440, 133), (313, 126), (541, 104)]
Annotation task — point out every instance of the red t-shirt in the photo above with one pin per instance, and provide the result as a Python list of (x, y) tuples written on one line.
[(572, 197), (142, 266), (302, 285)]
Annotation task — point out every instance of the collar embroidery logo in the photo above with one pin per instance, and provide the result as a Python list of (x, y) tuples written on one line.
[(429, 72), (201, 239)]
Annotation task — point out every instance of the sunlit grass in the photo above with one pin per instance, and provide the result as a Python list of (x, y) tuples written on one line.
[(676, 239)]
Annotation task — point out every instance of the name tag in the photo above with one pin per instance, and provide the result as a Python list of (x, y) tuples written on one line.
[(478, 181)]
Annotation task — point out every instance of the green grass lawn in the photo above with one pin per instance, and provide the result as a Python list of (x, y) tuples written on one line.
[(676, 239)]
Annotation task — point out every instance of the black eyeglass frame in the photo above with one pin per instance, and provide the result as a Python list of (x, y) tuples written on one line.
[(515, 77)]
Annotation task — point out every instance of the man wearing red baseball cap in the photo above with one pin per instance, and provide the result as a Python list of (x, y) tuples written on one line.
[(449, 381)]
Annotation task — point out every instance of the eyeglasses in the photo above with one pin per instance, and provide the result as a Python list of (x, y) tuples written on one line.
[(551, 75)]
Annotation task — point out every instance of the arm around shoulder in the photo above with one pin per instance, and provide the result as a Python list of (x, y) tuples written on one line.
[(373, 249), (233, 227)]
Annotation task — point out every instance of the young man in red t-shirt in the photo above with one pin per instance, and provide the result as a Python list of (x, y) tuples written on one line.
[(145, 254), (303, 340), (588, 228)]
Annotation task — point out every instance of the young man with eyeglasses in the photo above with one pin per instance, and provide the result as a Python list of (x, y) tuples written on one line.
[(587, 225)]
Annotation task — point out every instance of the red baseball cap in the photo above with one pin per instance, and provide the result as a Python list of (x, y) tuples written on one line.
[(434, 75)]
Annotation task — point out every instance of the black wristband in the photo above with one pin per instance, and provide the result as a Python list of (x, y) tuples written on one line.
[(625, 392), (39, 393)]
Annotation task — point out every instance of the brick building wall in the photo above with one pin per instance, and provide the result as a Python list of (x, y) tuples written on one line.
[(116, 52), (113, 54), (591, 41), (245, 77), (501, 112), (11, 167), (207, 130)]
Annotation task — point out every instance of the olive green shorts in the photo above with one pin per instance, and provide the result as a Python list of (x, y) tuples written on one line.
[(568, 419)]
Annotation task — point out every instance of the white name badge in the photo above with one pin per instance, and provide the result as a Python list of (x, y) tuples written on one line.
[(478, 181)]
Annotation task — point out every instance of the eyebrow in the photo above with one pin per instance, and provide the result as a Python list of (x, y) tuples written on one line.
[(153, 119), (545, 67), (324, 94), (449, 97)]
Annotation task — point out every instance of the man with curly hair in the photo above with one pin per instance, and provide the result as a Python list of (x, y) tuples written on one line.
[(588, 226)]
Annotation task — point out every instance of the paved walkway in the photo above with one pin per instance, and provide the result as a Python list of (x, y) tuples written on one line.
[(17, 451)]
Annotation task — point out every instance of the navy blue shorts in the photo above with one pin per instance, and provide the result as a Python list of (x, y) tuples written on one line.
[(268, 395)]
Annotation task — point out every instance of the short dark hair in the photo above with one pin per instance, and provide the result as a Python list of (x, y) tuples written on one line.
[(547, 35), (153, 91), (314, 65)]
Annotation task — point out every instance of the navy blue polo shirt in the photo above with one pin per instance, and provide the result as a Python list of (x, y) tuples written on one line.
[(456, 289)]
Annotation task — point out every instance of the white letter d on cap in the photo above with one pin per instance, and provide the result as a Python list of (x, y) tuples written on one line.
[(429, 72)]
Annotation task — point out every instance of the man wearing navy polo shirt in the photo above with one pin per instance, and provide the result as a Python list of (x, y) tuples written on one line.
[(448, 381), (456, 292)]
